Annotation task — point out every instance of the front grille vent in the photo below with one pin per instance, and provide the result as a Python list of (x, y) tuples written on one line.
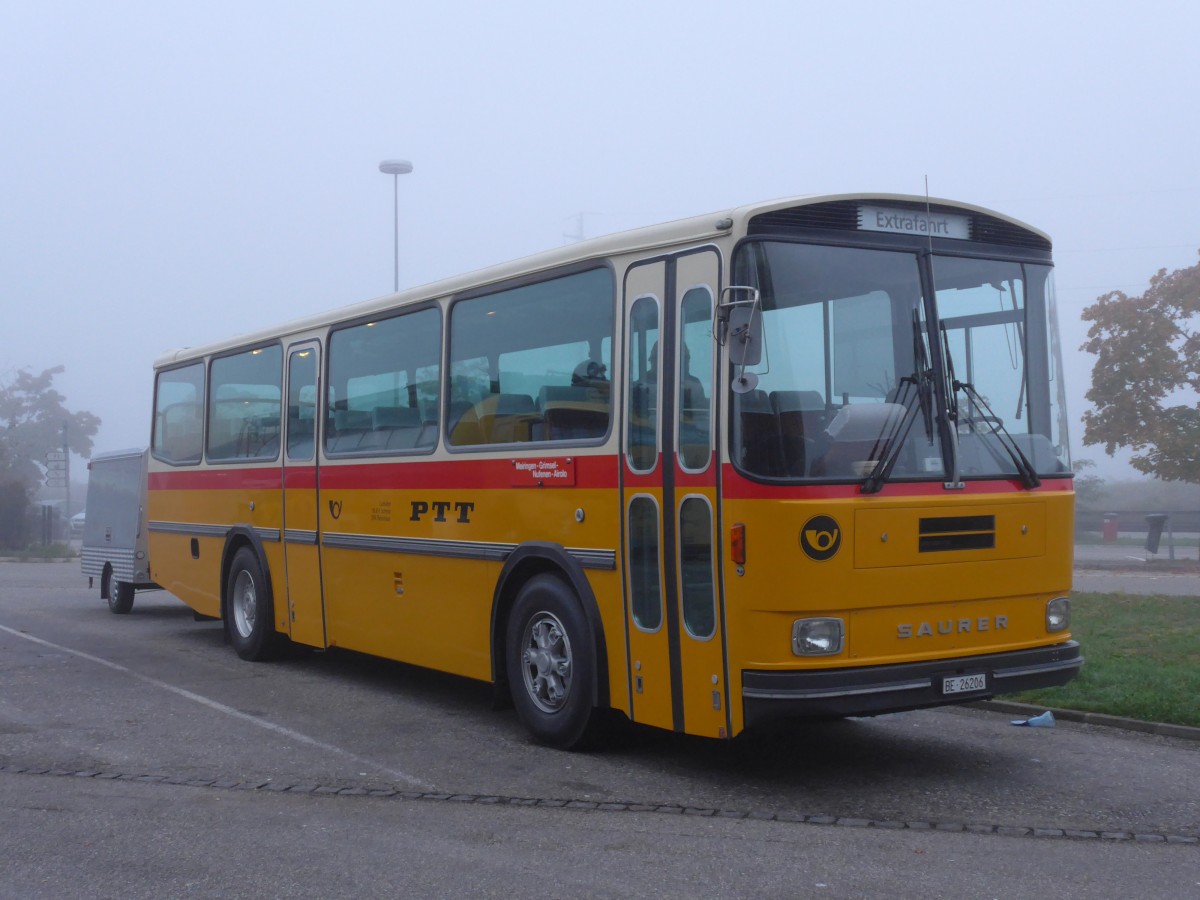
[(946, 533), (843, 215), (838, 216)]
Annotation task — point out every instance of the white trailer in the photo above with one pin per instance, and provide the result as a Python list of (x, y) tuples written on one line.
[(115, 538)]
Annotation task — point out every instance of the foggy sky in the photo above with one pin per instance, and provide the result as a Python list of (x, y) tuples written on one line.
[(176, 174)]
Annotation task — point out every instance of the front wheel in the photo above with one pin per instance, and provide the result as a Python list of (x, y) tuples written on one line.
[(551, 664), (249, 611)]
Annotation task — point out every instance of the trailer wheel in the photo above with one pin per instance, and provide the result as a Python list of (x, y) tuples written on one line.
[(551, 665), (120, 596), (249, 612)]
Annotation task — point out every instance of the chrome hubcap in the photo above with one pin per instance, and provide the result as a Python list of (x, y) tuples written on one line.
[(245, 604), (546, 662)]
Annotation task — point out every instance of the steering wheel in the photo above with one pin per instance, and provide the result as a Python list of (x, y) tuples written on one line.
[(969, 424)]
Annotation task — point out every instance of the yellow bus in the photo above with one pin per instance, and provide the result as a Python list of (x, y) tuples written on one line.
[(805, 458)]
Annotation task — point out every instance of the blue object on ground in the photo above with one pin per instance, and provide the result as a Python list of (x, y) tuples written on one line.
[(1045, 720)]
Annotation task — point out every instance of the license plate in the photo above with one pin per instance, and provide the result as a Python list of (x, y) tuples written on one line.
[(960, 684)]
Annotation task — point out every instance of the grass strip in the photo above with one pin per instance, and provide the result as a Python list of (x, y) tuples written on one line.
[(1142, 659)]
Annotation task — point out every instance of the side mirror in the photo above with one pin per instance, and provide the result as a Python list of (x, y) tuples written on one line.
[(739, 325), (745, 335)]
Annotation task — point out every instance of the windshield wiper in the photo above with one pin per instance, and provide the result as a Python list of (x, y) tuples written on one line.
[(1029, 476), (919, 385)]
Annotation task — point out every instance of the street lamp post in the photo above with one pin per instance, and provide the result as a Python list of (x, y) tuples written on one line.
[(396, 168)]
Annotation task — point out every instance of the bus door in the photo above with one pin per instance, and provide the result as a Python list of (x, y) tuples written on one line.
[(674, 616), (301, 525)]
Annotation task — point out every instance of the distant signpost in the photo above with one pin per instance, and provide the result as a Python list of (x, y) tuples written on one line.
[(56, 468)]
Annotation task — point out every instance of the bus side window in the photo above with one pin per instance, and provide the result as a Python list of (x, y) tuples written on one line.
[(244, 405), (302, 405), (180, 438), (695, 379), (178, 415), (531, 364), (384, 375), (642, 426)]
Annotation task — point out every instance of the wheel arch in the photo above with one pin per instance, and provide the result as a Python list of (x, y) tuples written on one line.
[(539, 558), (240, 536)]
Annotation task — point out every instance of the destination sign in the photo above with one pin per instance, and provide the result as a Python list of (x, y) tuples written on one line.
[(907, 221), (542, 472)]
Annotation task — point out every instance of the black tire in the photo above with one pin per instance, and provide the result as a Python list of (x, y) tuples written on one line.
[(120, 596), (250, 609), (551, 665)]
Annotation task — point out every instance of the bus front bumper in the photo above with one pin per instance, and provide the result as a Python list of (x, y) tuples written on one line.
[(873, 690)]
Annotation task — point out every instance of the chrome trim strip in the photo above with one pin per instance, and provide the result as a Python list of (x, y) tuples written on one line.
[(492, 552), (825, 693), (189, 528), (418, 546), (588, 557), (271, 535), (594, 559), (1055, 666)]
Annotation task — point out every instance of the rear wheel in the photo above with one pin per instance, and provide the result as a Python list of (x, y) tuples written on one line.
[(551, 664), (250, 612)]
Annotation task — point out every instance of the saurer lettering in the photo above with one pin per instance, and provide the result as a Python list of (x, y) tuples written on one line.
[(952, 626)]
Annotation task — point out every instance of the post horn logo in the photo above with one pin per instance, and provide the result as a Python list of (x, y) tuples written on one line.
[(335, 508), (820, 538)]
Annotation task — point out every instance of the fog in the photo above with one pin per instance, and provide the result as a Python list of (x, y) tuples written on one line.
[(180, 174)]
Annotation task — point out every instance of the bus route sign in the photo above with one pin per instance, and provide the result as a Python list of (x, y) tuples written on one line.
[(897, 221), (542, 472)]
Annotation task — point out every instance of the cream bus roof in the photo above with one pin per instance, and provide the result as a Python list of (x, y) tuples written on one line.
[(681, 232)]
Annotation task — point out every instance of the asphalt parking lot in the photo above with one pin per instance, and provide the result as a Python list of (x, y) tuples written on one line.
[(140, 757)]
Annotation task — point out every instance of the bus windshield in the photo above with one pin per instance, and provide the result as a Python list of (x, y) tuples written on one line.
[(999, 339), (845, 385)]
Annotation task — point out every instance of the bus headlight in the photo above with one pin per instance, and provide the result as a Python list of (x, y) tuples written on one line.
[(1058, 614), (817, 637)]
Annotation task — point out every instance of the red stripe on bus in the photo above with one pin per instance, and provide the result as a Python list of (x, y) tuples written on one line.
[(300, 478), (215, 480), (735, 487), (591, 472)]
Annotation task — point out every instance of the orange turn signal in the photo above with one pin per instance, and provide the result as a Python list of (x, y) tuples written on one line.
[(737, 543)]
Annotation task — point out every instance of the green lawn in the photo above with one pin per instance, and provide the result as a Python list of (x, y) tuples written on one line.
[(50, 551), (1142, 659)]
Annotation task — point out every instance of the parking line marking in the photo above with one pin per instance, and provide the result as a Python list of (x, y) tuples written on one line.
[(222, 708)]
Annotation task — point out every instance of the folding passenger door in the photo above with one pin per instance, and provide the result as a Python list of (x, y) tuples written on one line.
[(674, 618), (301, 505)]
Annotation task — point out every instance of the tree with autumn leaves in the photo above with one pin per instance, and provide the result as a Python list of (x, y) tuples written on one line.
[(1146, 381)]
